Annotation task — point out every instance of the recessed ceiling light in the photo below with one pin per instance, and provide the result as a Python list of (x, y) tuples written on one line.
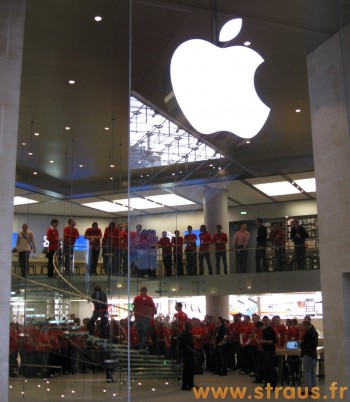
[(30, 153), (21, 200), (247, 142), (111, 178), (308, 185), (247, 43), (24, 143), (170, 200), (98, 18), (106, 128), (277, 188), (35, 172), (106, 206), (111, 165), (51, 161), (71, 82), (67, 128), (298, 110), (81, 165), (36, 134)]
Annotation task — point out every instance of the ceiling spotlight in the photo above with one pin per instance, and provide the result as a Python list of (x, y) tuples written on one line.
[(51, 161), (247, 43), (72, 82), (35, 172), (111, 178), (98, 18), (30, 153), (81, 165), (111, 166), (298, 110), (67, 128), (106, 128), (24, 143), (247, 142), (36, 134)]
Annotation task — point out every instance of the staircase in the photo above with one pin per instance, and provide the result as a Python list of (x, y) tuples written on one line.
[(142, 365)]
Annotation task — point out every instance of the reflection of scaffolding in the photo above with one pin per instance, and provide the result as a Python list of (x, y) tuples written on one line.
[(156, 141)]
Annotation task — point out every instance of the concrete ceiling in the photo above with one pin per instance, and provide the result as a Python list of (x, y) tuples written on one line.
[(112, 59)]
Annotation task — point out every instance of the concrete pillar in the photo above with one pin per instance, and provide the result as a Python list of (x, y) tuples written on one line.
[(215, 208), (11, 45), (218, 306), (331, 144)]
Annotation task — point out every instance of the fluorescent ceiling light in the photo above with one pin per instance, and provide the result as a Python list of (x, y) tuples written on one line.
[(170, 200), (105, 206), (23, 201), (278, 188), (308, 185), (138, 203)]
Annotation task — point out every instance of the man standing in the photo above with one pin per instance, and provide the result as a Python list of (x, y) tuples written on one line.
[(176, 243), (94, 235), (144, 311), (309, 353), (190, 240), (99, 300), (54, 240), (204, 250), (279, 243), (240, 243), (298, 234), (70, 235), (220, 241), (260, 253), (164, 245), (268, 341), (25, 245)]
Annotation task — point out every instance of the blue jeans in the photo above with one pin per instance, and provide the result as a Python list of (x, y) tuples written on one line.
[(309, 371), (142, 327)]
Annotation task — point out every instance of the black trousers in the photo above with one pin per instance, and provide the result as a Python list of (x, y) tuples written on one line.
[(187, 370)]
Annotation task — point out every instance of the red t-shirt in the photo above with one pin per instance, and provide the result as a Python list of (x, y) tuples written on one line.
[(281, 332), (205, 238), (53, 238), (70, 235), (176, 243), (144, 306), (246, 331), (198, 341), (221, 237), (181, 318), (164, 243), (190, 241), (94, 244)]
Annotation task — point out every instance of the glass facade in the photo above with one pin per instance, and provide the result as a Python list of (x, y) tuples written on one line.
[(105, 147)]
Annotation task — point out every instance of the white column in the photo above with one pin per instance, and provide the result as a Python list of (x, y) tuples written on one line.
[(11, 45), (331, 144)]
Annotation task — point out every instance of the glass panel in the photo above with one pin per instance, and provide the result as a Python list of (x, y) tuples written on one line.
[(93, 149)]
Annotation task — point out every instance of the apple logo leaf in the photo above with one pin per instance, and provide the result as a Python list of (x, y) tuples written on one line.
[(230, 30)]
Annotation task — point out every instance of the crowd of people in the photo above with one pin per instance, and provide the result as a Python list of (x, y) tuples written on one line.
[(137, 249), (214, 344)]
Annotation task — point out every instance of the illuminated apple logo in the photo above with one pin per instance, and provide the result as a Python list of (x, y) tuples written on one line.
[(214, 86)]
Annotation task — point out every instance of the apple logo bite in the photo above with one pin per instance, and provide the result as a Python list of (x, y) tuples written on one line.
[(214, 86)]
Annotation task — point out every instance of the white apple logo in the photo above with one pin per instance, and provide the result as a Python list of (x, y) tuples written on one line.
[(214, 86)]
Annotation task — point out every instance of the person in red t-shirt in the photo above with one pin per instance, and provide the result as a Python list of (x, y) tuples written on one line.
[(177, 327), (246, 339), (164, 245), (107, 248), (94, 235), (70, 235), (197, 333), (54, 240), (124, 235), (190, 240), (176, 243), (220, 240), (281, 331), (144, 311), (204, 250)]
